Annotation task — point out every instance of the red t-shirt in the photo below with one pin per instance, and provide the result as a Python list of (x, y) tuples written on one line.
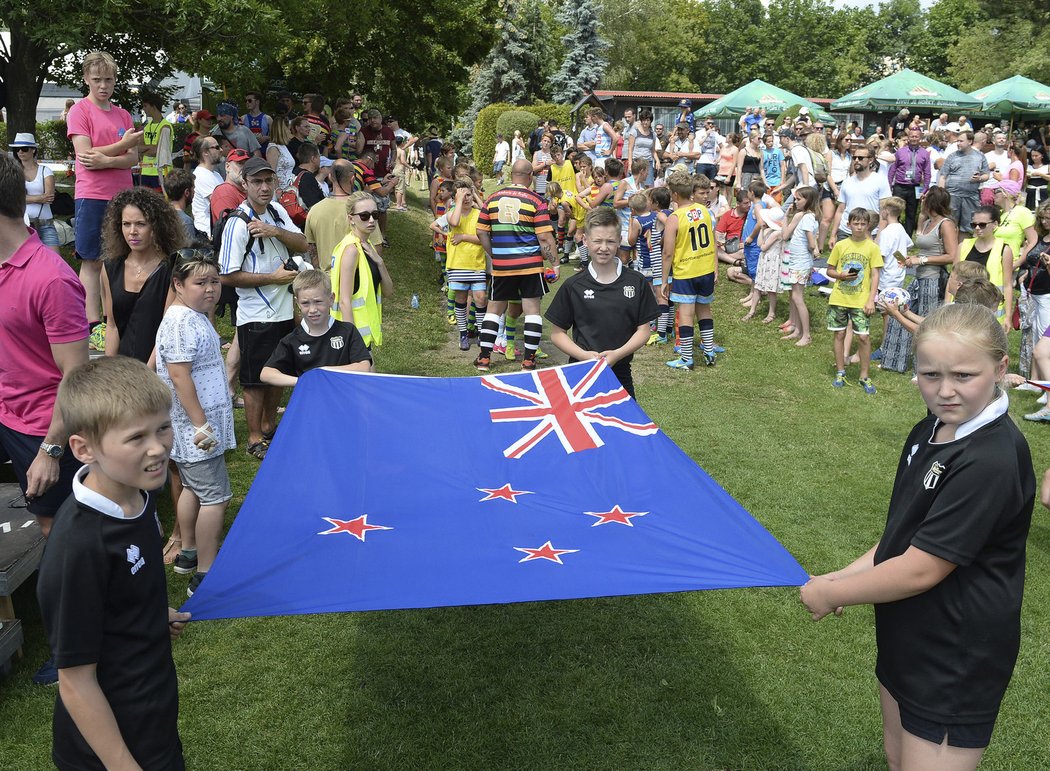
[(223, 197), (50, 309), (731, 223), (383, 143)]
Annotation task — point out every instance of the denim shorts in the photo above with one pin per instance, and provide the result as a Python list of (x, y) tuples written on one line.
[(87, 218)]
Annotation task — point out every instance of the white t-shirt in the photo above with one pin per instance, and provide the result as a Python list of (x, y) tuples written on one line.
[(935, 155), (798, 244), (892, 238), (285, 164), (502, 152), (709, 145), (800, 157), (866, 193), (38, 211), (272, 302), (186, 336), (997, 161), (205, 181)]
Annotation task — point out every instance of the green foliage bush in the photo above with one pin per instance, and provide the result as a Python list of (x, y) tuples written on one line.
[(52, 142), (550, 111), (485, 135), (516, 120)]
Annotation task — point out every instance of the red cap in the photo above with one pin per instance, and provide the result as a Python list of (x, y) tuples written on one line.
[(204, 115), (237, 155)]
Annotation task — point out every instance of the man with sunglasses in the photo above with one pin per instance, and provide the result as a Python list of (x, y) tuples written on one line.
[(206, 178), (961, 175), (864, 189), (708, 144), (256, 247)]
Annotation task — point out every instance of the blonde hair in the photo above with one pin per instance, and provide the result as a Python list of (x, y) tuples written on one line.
[(969, 323), (356, 198), (816, 142), (681, 184), (100, 60), (638, 202), (894, 206), (311, 279), (280, 133), (107, 392), (969, 270)]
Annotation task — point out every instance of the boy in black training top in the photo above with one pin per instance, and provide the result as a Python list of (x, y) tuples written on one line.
[(101, 587), (608, 306), (320, 341)]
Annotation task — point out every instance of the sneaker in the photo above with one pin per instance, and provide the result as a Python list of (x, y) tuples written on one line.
[(509, 351), (464, 342), (528, 363), (482, 363), (542, 354), (719, 349), (1042, 415), (97, 338), (869, 387), (451, 316), (564, 260), (839, 381), (876, 355), (47, 674), (184, 565), (709, 359), (661, 339), (680, 363), (1042, 399), (195, 582)]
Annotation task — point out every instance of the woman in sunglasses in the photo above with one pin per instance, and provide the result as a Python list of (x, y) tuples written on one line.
[(995, 254), (40, 189), (360, 279)]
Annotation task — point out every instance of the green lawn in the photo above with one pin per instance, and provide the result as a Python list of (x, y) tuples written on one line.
[(706, 680)]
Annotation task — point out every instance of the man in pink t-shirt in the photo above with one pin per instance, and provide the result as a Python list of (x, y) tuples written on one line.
[(106, 142), (43, 335)]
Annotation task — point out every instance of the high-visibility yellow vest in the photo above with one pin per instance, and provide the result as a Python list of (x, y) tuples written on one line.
[(367, 301), (150, 135)]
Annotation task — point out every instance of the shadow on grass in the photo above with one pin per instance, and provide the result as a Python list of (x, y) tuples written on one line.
[(573, 684)]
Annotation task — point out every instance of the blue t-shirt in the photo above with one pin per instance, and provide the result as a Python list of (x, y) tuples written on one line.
[(645, 226), (752, 250), (771, 160), (752, 120)]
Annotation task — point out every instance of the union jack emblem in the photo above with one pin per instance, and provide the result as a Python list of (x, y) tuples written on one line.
[(566, 411)]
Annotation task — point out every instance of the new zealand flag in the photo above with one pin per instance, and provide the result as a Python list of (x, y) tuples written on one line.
[(386, 491)]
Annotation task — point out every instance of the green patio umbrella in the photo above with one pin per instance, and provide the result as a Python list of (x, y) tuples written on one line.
[(906, 88), (1016, 97), (758, 93)]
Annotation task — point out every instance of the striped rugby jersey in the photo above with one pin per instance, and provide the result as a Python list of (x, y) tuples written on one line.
[(514, 216)]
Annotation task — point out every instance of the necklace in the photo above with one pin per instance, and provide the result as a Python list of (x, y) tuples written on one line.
[(140, 268)]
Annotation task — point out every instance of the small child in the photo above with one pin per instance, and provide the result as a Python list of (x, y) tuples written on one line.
[(466, 259), (443, 193), (319, 341), (894, 243), (101, 586), (947, 576), (854, 264), (641, 218), (767, 272), (661, 207), (189, 361), (607, 306), (967, 283), (689, 250), (800, 237)]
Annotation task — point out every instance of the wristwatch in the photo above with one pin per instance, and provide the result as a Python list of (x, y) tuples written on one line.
[(52, 450)]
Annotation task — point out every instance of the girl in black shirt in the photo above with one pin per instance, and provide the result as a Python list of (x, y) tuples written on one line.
[(947, 576)]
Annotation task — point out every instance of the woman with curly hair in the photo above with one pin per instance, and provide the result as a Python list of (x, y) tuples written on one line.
[(140, 234)]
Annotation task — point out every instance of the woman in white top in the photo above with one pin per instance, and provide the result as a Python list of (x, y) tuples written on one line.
[(277, 153), (40, 189), (517, 148)]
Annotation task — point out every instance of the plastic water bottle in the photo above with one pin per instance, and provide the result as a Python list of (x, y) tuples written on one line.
[(415, 302)]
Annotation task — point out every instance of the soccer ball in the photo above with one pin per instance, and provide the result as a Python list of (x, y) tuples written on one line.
[(894, 294), (550, 275)]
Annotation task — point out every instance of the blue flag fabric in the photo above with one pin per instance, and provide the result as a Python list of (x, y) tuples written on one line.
[(387, 491)]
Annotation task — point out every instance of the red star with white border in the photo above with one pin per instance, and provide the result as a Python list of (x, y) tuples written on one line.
[(355, 527), (616, 515), (506, 493), (545, 552)]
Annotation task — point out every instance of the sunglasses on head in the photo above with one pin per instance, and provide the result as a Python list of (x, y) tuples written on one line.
[(367, 215), (186, 258)]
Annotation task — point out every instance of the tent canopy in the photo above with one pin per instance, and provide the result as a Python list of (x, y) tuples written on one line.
[(906, 88), (1017, 96), (758, 93)]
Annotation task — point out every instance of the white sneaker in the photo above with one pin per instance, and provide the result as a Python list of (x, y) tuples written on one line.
[(1042, 399)]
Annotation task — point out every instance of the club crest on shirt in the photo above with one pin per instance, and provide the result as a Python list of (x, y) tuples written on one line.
[(304, 350), (588, 294), (933, 475), (135, 558), (628, 292), (335, 342)]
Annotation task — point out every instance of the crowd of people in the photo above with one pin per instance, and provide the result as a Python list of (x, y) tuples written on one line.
[(281, 220)]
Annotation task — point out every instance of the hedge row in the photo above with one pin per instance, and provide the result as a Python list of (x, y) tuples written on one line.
[(490, 121)]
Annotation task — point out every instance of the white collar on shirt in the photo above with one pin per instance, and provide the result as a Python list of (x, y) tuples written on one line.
[(594, 274), (306, 328), (97, 501), (997, 408)]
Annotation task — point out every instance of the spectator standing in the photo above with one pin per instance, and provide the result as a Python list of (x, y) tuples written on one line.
[(961, 175), (105, 143), (304, 174), (278, 155), (256, 246), (157, 140), (237, 135), (1037, 177), (40, 189), (255, 120), (709, 146), (320, 128), (685, 113), (863, 190), (909, 173), (380, 140), (500, 157), (179, 185), (206, 178), (998, 164)]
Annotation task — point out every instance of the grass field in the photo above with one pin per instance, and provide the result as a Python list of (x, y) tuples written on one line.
[(736, 679)]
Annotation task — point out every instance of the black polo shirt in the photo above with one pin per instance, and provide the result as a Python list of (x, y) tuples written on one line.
[(300, 351)]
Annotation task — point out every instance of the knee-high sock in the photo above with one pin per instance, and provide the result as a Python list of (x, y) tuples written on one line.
[(685, 342), (479, 316), (489, 328), (461, 317), (472, 315), (707, 335), (533, 333), (662, 319), (450, 304), (510, 327)]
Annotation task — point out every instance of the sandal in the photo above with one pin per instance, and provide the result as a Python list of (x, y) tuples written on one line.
[(257, 450), (268, 435), (172, 549)]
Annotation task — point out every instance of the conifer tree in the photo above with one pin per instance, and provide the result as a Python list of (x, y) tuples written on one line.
[(585, 60)]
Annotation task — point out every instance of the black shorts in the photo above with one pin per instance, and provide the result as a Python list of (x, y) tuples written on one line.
[(22, 449), (258, 340), (227, 298), (517, 288), (967, 736)]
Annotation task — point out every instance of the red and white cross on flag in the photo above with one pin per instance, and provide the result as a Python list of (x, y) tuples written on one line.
[(567, 412)]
